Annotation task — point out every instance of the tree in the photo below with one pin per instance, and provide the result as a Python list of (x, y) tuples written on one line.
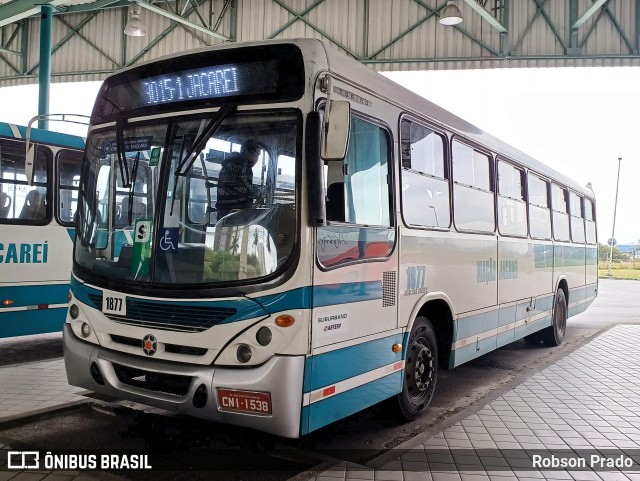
[(603, 254)]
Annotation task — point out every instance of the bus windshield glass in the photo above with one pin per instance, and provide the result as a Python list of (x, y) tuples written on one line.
[(191, 200)]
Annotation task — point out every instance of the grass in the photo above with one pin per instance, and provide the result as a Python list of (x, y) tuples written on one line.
[(620, 270)]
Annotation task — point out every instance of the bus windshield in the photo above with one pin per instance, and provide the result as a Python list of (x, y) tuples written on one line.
[(192, 200)]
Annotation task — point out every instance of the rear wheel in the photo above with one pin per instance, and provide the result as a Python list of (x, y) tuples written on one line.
[(554, 334), (420, 370)]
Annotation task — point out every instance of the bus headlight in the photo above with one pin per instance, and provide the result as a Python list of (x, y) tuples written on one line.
[(85, 329), (264, 336), (244, 353), (74, 311)]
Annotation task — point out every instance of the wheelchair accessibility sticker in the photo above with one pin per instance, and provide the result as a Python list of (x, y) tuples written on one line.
[(169, 239)]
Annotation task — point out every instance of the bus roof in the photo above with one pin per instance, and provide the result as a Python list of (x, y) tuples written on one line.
[(380, 86), (419, 106), (41, 135)]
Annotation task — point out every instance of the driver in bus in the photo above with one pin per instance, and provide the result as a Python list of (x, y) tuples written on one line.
[(235, 181)]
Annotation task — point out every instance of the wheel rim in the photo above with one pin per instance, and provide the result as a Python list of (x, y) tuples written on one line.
[(561, 318), (419, 369)]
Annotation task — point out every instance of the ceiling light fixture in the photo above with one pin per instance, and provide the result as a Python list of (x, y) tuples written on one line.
[(135, 27), (450, 14)]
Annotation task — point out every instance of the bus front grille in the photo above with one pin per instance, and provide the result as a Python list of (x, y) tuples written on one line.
[(172, 348), (171, 384), (166, 316)]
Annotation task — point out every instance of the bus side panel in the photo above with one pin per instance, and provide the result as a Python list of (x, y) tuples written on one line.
[(33, 321), (465, 268), (35, 266), (353, 329), (570, 262), (523, 272), (349, 378), (591, 274)]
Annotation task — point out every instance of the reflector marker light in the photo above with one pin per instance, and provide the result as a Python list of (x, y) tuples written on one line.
[(285, 321), (328, 391), (7, 302)]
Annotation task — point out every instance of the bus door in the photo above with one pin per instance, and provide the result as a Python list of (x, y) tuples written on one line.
[(354, 310)]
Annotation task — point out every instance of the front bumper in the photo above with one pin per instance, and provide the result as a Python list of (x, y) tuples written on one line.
[(282, 376)]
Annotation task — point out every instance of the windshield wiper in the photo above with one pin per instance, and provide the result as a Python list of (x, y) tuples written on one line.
[(199, 143), (134, 174), (121, 155), (197, 146)]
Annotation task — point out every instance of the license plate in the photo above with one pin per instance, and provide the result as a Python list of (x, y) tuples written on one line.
[(253, 402)]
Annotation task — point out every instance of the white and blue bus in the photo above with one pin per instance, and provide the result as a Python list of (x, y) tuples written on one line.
[(389, 239), (37, 227)]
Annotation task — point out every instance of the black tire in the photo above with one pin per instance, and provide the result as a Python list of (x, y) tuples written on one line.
[(420, 370), (554, 334)]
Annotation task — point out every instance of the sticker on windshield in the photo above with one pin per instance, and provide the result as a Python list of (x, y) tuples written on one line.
[(131, 144), (169, 239), (143, 230), (141, 255), (155, 157)]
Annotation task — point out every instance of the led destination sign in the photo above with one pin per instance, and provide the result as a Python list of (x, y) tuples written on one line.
[(210, 82), (243, 75)]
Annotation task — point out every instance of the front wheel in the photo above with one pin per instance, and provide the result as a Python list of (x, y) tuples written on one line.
[(554, 334), (420, 370)]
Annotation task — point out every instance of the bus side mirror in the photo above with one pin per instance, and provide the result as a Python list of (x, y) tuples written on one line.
[(29, 161), (337, 125)]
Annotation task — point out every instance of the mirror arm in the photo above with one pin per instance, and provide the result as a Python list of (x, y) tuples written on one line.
[(327, 109)]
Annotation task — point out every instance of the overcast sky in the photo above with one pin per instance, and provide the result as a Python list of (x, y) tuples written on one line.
[(577, 120)]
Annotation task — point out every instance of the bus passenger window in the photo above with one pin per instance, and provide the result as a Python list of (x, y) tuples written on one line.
[(21, 203), (539, 212), (425, 186), (560, 213), (512, 210), (366, 175), (472, 194), (68, 167), (590, 221), (577, 220)]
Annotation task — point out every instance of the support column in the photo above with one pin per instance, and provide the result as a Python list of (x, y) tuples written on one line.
[(636, 50), (24, 46), (233, 21), (506, 21), (574, 47), (44, 77)]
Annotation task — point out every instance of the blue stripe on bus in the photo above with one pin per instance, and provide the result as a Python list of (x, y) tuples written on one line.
[(473, 350), (533, 326), (329, 295), (479, 323), (341, 405), (52, 138), (470, 325), (334, 366), (33, 321), (5, 130), (34, 295), (72, 233), (300, 298)]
